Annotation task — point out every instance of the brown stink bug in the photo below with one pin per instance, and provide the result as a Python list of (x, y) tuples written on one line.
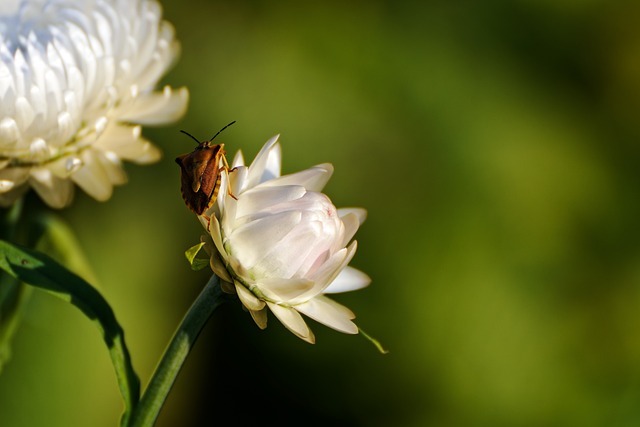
[(200, 173)]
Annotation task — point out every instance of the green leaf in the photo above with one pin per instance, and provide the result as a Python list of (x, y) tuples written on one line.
[(196, 263), (41, 271)]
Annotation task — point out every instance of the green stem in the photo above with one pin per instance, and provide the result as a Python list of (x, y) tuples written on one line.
[(148, 409)]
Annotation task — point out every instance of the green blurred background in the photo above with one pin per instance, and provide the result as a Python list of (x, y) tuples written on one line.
[(495, 146)]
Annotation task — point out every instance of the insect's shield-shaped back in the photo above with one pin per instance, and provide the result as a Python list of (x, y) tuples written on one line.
[(200, 176)]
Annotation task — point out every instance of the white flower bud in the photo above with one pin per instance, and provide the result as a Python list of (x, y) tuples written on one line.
[(284, 245)]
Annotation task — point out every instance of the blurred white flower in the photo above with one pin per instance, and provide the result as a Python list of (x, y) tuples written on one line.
[(77, 80), (282, 244)]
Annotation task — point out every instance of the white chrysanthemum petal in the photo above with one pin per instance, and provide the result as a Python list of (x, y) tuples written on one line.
[(156, 108), (329, 313), (292, 320), (6, 185), (93, 178), (127, 143), (9, 132), (349, 279), (112, 166), (55, 191)]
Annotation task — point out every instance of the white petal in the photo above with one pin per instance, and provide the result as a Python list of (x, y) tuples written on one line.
[(127, 143), (351, 223), (329, 313), (112, 166), (6, 185), (92, 177), (56, 192), (292, 320), (260, 317), (332, 268), (15, 175), (237, 178), (284, 290), (248, 299), (155, 108), (9, 132), (214, 228), (238, 160), (313, 179), (274, 163), (349, 279), (360, 213), (249, 243), (260, 199), (218, 268), (264, 165)]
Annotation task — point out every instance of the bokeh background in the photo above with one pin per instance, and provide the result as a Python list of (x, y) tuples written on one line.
[(495, 146)]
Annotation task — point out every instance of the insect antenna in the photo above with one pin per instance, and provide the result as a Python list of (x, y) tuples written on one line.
[(188, 134), (214, 136)]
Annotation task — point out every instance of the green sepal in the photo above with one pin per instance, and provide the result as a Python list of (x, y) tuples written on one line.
[(196, 263), (373, 341)]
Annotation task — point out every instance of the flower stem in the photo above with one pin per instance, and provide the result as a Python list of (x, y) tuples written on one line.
[(148, 409)]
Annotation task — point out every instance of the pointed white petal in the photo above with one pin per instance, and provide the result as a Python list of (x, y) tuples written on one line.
[(293, 321), (238, 160), (261, 199), (260, 317), (15, 175), (263, 167), (349, 279), (351, 224), (128, 144), (92, 177), (112, 166), (218, 268), (155, 108), (249, 243), (248, 299), (56, 192), (284, 290), (329, 313), (313, 179), (214, 228), (274, 164), (360, 213)]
